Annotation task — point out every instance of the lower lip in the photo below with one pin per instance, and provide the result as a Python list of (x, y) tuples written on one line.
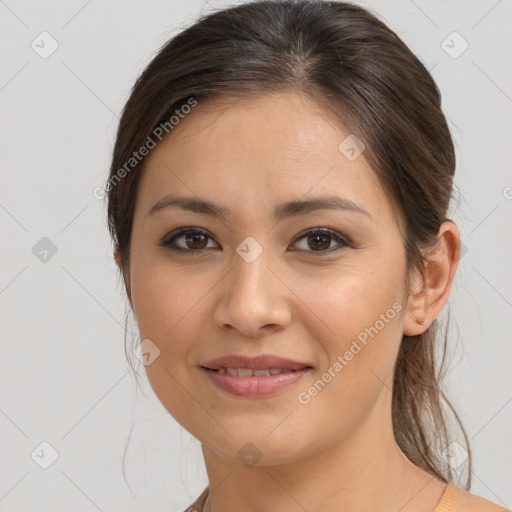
[(254, 386)]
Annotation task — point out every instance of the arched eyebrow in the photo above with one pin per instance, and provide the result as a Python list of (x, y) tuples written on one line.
[(281, 211)]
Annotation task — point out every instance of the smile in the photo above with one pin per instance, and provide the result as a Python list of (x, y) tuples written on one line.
[(252, 383)]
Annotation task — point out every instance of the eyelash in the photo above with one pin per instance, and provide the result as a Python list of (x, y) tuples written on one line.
[(169, 239)]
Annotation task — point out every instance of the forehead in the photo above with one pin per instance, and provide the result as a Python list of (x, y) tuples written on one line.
[(288, 124), (259, 150)]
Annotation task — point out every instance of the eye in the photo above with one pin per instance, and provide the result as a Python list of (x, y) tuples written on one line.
[(187, 240), (195, 240), (320, 240)]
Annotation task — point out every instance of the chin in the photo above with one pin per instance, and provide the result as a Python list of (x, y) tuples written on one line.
[(257, 448)]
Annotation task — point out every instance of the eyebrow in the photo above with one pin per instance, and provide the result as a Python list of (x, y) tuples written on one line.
[(282, 211)]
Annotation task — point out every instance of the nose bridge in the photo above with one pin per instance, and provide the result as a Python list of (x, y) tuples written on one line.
[(251, 277), (252, 297)]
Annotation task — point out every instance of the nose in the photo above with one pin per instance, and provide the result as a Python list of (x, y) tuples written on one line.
[(253, 298)]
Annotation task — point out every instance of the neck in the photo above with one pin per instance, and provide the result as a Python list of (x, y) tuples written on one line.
[(363, 471)]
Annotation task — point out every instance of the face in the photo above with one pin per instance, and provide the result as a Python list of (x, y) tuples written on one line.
[(323, 287)]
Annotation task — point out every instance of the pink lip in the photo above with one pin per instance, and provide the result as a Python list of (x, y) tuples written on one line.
[(254, 386), (254, 363)]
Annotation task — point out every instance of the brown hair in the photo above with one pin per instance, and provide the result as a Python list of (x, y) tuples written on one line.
[(351, 62)]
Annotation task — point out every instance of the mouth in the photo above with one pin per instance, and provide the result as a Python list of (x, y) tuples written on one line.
[(243, 362), (252, 383)]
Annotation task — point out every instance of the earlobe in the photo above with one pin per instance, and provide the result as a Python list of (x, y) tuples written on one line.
[(415, 321), (431, 292)]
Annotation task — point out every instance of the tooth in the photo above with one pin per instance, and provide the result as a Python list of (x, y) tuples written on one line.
[(261, 372), (247, 372)]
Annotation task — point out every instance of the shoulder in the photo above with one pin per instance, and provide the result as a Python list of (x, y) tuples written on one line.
[(455, 499), (198, 505)]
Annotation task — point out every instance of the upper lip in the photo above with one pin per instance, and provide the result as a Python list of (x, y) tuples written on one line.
[(255, 363)]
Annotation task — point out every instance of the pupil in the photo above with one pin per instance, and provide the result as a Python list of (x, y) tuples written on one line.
[(194, 239), (315, 238)]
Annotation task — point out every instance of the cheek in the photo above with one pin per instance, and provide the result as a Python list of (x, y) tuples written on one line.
[(169, 312), (350, 301), (171, 304), (164, 294), (362, 313), (358, 373)]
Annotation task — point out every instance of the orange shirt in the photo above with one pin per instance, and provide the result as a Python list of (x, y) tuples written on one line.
[(454, 499)]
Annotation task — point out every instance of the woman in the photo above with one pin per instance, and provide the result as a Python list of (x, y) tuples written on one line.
[(277, 199)]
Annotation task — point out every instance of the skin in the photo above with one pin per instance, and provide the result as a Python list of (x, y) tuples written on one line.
[(336, 452)]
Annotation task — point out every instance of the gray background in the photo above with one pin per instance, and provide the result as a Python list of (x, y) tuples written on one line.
[(65, 379)]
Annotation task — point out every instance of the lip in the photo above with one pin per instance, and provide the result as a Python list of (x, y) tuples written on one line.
[(254, 363), (255, 386)]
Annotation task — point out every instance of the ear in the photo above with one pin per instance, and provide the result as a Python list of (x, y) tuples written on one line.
[(429, 293)]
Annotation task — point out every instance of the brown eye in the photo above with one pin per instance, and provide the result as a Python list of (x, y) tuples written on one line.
[(320, 240), (195, 240), (187, 240)]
